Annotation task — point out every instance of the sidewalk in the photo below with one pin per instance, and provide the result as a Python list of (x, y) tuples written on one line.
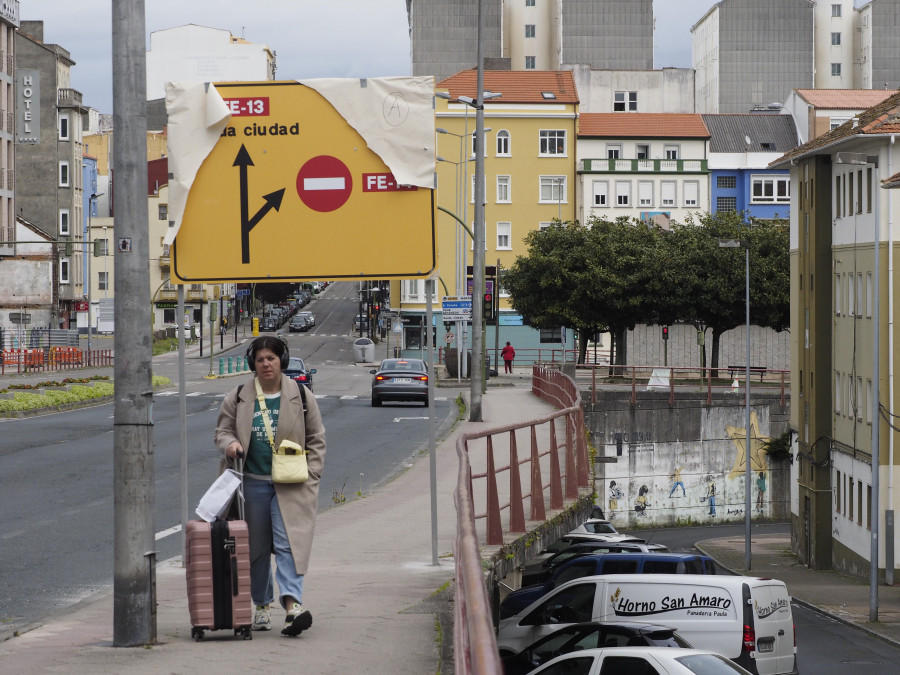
[(843, 598), (372, 588)]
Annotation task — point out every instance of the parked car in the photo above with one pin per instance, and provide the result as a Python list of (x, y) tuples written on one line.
[(634, 660), (298, 372), (607, 563), (361, 322), (298, 324), (310, 318), (591, 635), (400, 380), (604, 527), (267, 323), (747, 619), (539, 568)]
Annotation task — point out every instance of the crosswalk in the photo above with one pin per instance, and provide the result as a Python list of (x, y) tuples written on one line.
[(342, 397)]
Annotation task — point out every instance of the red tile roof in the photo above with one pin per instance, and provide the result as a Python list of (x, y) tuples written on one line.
[(883, 118), (859, 99), (516, 86), (892, 181), (644, 125)]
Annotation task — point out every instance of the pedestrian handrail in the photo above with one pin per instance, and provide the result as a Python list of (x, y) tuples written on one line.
[(52, 359), (474, 640), (671, 379)]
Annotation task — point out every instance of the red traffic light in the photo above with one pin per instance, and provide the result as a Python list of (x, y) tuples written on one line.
[(665, 332)]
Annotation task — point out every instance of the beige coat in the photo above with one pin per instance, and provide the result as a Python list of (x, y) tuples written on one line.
[(299, 501)]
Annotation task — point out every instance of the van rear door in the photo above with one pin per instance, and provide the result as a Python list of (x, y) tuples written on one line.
[(773, 624)]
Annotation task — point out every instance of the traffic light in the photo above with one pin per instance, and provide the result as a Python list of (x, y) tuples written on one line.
[(488, 307), (665, 332)]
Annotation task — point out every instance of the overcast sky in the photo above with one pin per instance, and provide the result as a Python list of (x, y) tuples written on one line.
[(312, 38)]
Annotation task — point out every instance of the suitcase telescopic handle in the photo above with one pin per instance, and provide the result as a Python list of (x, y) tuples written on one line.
[(239, 466)]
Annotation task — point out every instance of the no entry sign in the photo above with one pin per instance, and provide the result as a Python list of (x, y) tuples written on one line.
[(324, 183)]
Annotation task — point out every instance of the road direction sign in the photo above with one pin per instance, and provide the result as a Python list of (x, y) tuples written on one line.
[(291, 191), (456, 308)]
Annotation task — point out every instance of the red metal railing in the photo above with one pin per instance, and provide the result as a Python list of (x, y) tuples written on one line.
[(474, 641), (52, 359), (668, 378)]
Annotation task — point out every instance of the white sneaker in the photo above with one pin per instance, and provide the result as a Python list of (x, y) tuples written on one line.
[(296, 621), (262, 619)]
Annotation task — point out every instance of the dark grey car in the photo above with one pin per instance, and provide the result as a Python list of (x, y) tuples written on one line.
[(400, 380)]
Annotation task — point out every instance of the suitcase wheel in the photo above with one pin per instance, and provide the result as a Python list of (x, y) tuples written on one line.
[(197, 634), (245, 633)]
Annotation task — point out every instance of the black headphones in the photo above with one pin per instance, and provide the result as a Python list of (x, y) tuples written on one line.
[(268, 342)]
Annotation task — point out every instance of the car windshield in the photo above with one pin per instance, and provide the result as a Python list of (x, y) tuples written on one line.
[(295, 364), (403, 364)]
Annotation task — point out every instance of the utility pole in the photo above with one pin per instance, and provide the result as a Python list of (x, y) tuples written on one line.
[(134, 589), (477, 368)]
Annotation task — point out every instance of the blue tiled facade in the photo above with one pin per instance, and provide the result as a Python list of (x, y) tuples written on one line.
[(732, 190)]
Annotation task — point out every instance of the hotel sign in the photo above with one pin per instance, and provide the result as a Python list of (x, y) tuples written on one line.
[(28, 106), (9, 10)]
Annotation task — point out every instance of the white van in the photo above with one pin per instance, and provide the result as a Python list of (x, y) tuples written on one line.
[(747, 619)]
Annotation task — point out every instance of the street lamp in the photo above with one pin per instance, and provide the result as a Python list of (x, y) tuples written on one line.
[(745, 244)]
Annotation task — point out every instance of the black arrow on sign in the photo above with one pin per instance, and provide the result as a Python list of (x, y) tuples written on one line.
[(273, 201)]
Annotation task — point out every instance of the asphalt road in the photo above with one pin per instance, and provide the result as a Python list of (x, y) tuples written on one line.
[(56, 545)]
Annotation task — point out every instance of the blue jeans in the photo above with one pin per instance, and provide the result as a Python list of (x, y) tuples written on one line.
[(264, 520)]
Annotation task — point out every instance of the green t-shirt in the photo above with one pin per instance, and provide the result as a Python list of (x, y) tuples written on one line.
[(259, 458)]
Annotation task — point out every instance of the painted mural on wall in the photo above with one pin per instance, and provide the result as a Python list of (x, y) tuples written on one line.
[(687, 481)]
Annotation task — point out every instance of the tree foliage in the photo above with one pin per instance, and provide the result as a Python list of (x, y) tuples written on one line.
[(612, 275)]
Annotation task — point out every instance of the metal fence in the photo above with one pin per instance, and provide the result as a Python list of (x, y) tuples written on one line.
[(561, 452), (37, 338)]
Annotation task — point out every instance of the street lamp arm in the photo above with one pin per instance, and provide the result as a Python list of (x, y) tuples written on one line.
[(458, 220)]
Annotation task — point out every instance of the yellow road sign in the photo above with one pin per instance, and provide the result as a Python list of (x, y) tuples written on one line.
[(292, 192)]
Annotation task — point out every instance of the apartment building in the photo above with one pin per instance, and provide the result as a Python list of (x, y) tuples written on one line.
[(649, 166), (840, 291), (48, 186), (530, 34), (529, 157), (818, 111)]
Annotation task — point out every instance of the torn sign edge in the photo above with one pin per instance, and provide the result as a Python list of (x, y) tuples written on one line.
[(197, 114)]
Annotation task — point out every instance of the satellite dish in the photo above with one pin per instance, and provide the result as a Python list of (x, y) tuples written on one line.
[(747, 140)]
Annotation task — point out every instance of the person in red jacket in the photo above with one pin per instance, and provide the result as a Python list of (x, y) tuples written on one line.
[(507, 354)]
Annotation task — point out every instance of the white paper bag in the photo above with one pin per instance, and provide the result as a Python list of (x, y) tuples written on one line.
[(216, 500)]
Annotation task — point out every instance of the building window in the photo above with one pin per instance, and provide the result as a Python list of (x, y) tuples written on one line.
[(601, 193), (869, 190), (691, 193), (667, 193), (771, 190), (642, 151), (64, 222), (835, 10), (543, 225), (553, 189), (836, 39), (625, 101), (613, 151), (103, 247), (645, 193), (850, 296), (837, 392), (529, 63), (836, 69), (623, 193), (504, 236), (671, 152), (503, 143), (529, 3), (473, 188), (64, 271), (553, 142), (64, 127), (103, 281), (63, 174), (726, 182), (726, 204), (859, 191), (163, 211), (837, 294), (503, 190), (869, 400), (529, 30), (835, 122), (837, 196), (551, 335), (868, 295)]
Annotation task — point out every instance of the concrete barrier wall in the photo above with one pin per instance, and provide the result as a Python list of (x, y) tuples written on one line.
[(684, 464)]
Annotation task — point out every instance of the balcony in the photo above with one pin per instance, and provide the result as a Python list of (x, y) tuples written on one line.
[(643, 166), (68, 98), (195, 295), (168, 294)]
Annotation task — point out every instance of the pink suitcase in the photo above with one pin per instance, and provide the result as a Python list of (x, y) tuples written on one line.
[(217, 557)]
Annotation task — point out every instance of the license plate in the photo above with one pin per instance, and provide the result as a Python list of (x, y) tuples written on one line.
[(766, 647), (402, 380)]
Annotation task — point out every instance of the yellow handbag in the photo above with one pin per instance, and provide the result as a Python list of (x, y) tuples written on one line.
[(289, 458)]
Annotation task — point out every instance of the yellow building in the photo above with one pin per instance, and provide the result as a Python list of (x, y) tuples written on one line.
[(101, 146), (530, 121)]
